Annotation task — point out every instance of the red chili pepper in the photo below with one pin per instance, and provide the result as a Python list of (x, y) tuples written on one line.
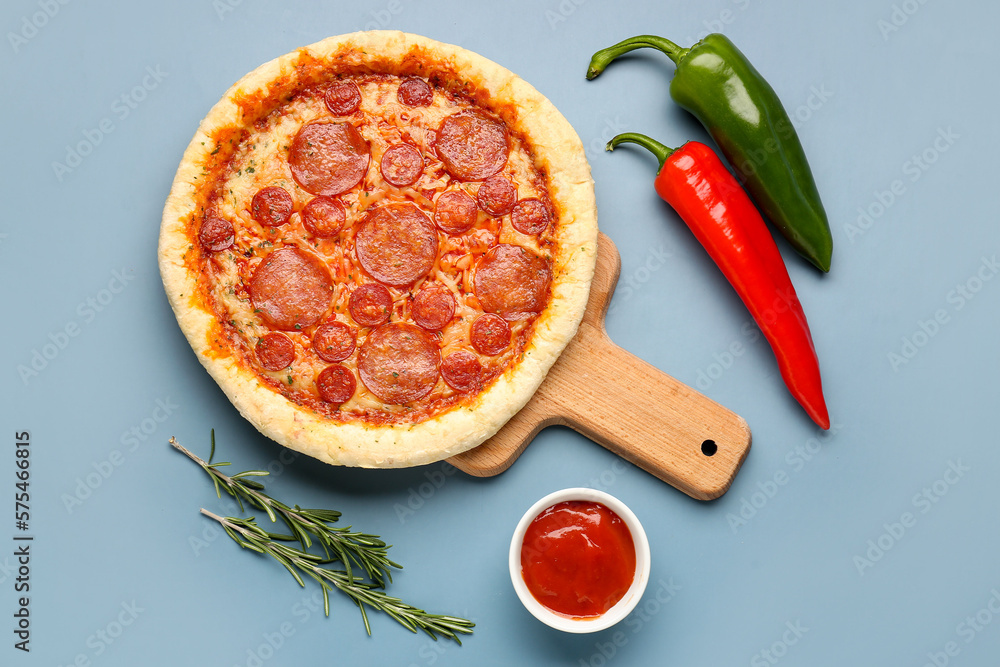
[(711, 202)]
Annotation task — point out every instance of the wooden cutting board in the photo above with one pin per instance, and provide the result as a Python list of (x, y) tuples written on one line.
[(624, 404)]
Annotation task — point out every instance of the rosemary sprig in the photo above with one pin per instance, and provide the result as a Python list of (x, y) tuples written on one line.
[(249, 535), (367, 552)]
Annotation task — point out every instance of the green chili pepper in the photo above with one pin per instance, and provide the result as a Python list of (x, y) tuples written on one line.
[(716, 83)]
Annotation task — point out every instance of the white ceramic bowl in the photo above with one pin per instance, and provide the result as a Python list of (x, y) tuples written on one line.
[(628, 601)]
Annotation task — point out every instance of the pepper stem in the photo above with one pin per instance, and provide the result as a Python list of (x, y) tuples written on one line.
[(652, 145), (603, 58)]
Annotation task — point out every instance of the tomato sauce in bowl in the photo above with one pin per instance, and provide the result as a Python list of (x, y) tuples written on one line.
[(579, 560)]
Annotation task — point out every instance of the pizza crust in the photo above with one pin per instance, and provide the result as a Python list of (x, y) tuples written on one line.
[(559, 155)]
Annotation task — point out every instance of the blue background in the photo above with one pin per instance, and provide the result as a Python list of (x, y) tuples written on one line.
[(872, 85)]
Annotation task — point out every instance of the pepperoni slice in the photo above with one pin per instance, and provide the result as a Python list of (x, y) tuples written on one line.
[(455, 212), (328, 158), (472, 145), (333, 341), (490, 334), (336, 384), (370, 305), (272, 206), (462, 371), (342, 98), (275, 351), (497, 195), (291, 289), (399, 363), (415, 92), (530, 216), (216, 234), (433, 308), (402, 165), (323, 216), (397, 244), (512, 281)]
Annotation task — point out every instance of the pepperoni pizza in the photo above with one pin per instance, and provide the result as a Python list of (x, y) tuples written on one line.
[(378, 245)]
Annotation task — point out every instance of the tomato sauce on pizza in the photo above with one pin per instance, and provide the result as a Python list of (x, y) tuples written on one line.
[(376, 248)]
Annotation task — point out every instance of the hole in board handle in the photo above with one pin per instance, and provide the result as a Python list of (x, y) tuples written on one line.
[(709, 448)]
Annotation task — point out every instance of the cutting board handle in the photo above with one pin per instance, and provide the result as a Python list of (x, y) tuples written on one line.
[(626, 405)]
